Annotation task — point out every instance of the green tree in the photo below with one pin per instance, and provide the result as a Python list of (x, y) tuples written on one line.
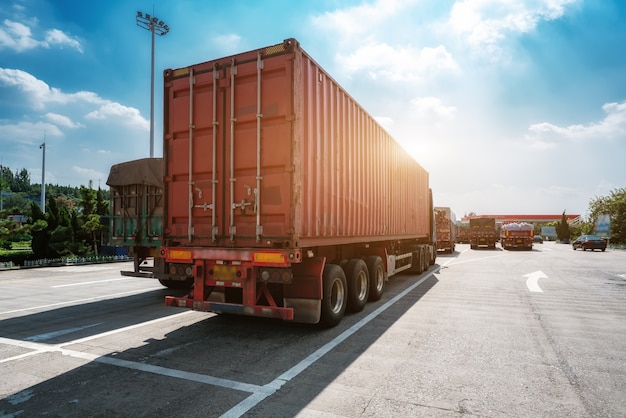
[(102, 205), (93, 226), (21, 181), (16, 204), (87, 202), (562, 229), (39, 232), (66, 226), (613, 205), (62, 241)]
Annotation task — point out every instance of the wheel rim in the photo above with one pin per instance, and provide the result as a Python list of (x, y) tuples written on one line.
[(362, 281), (379, 278), (337, 296)]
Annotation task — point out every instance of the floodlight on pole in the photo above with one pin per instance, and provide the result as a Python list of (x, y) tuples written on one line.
[(155, 26)]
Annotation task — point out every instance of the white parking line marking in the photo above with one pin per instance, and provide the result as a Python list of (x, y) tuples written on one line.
[(269, 389), (43, 348), (194, 377), (84, 283), (258, 393), (50, 335), (475, 259), (72, 302)]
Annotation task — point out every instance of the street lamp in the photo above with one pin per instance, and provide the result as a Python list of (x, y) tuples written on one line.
[(155, 26), (1, 178), (43, 176)]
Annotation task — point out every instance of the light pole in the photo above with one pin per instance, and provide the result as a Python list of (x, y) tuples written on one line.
[(1, 178), (43, 177), (155, 26)]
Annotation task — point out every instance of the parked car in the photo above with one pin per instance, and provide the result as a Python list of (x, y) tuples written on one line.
[(589, 242), (538, 238)]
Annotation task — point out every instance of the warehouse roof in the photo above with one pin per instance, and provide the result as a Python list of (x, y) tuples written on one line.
[(571, 219)]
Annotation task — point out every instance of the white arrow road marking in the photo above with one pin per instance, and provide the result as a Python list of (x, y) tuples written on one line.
[(533, 277)]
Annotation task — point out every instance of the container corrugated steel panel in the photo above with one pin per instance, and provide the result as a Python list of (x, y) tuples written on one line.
[(326, 173)]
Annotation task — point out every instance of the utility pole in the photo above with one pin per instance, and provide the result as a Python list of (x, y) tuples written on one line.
[(1, 178), (43, 175)]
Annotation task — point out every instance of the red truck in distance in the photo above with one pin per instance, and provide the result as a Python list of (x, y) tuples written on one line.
[(483, 233), (517, 235), (445, 222)]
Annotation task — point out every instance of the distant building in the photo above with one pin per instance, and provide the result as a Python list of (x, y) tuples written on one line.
[(20, 219)]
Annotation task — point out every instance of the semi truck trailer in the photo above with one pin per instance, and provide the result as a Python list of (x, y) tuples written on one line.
[(517, 235), (445, 222), (283, 198), (136, 221), (462, 233), (483, 233)]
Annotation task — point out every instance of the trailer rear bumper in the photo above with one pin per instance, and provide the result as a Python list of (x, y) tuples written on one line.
[(144, 274), (516, 243), (285, 314)]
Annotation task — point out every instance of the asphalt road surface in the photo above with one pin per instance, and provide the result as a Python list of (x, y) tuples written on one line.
[(486, 333)]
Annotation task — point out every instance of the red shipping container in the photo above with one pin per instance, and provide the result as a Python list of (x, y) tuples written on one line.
[(265, 149)]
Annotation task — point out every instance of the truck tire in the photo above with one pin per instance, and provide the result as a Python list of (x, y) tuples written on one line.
[(333, 295), (376, 271), (417, 266), (432, 255), (357, 278)]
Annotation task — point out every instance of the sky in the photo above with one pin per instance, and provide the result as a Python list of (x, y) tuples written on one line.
[(512, 106)]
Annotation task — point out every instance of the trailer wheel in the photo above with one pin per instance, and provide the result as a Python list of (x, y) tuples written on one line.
[(417, 262), (333, 295), (377, 276), (357, 277), (425, 260), (432, 255)]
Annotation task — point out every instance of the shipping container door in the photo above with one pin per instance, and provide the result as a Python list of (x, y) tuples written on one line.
[(189, 155), (258, 144), (239, 140)]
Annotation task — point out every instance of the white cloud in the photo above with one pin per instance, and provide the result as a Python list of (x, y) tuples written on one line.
[(433, 108), (546, 135), (229, 43), (485, 24), (57, 37), (398, 63), (62, 120), (128, 115), (28, 133), (88, 173), (368, 40), (362, 19), (19, 37), (16, 36), (41, 94)]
